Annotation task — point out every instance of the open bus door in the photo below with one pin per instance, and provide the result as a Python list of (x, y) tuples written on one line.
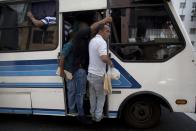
[(68, 11)]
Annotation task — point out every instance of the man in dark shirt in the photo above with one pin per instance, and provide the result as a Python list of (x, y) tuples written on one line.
[(81, 48), (81, 61)]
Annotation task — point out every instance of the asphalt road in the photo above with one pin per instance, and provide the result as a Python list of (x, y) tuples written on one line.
[(169, 122)]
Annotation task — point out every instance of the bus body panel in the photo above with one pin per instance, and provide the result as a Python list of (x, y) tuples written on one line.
[(39, 55), (172, 80), (14, 99), (78, 5), (32, 101), (34, 73)]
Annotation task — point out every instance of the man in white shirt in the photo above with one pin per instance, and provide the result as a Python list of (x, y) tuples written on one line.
[(98, 59)]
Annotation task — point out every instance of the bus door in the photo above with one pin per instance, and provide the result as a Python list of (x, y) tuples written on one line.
[(70, 12)]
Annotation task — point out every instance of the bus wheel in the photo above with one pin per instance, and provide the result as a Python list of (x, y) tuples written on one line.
[(142, 113)]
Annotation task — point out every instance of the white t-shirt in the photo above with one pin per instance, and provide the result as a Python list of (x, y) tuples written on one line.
[(97, 48)]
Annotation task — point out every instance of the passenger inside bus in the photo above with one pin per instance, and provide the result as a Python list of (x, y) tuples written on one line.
[(84, 26), (43, 14), (50, 20), (43, 25)]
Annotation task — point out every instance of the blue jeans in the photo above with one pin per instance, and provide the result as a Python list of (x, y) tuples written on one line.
[(80, 81), (97, 95), (71, 95)]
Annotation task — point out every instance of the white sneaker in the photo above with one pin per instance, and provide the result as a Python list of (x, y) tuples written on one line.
[(97, 119)]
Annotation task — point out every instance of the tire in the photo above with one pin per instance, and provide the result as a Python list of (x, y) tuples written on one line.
[(142, 113)]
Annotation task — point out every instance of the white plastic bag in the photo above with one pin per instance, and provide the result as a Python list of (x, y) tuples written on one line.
[(68, 74), (114, 73)]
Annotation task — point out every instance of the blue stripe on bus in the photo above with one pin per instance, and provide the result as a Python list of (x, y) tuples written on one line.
[(48, 68), (49, 112), (40, 111), (28, 73), (15, 111), (28, 62), (31, 85), (113, 114), (126, 80), (28, 67)]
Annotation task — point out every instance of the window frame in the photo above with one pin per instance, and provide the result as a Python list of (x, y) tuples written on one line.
[(192, 31), (193, 18), (175, 25), (30, 25), (194, 5), (182, 5), (182, 17)]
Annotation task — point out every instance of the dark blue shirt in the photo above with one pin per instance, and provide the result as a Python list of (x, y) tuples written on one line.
[(67, 52)]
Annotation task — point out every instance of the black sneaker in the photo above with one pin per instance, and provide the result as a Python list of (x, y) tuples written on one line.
[(84, 120)]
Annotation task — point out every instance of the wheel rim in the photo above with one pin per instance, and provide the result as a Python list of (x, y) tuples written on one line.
[(140, 112)]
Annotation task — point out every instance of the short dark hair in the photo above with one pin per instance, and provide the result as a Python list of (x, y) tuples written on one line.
[(100, 27)]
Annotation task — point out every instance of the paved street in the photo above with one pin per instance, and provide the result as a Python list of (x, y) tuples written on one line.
[(169, 122), (192, 115)]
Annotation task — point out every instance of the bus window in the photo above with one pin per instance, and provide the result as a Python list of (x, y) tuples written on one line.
[(81, 18), (9, 19), (144, 32), (45, 37), (42, 9), (17, 33)]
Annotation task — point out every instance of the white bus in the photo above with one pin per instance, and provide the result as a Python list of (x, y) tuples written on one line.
[(148, 45)]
